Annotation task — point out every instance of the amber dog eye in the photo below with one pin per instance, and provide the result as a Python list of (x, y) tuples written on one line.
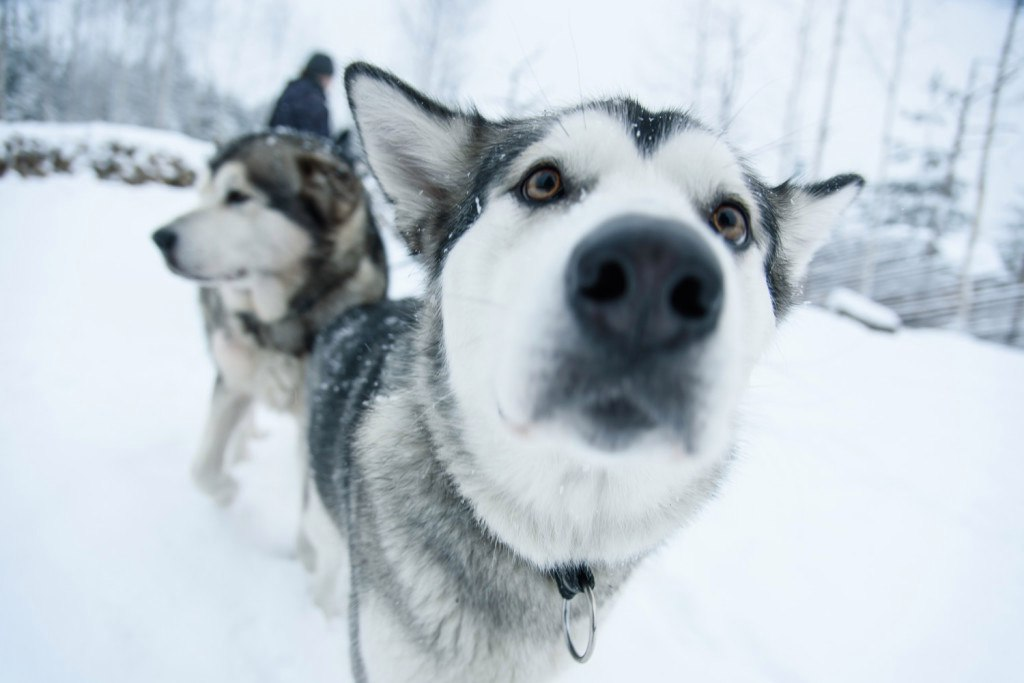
[(731, 223), (542, 185)]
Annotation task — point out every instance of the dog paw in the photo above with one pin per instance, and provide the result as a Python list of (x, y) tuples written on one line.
[(220, 487)]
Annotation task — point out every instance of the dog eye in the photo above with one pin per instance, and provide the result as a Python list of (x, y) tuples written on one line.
[(731, 223), (542, 185), (236, 197)]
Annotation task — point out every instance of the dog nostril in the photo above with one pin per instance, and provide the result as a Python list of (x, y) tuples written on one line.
[(687, 298), (165, 238), (606, 284)]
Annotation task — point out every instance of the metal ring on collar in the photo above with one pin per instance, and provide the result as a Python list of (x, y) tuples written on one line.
[(566, 621)]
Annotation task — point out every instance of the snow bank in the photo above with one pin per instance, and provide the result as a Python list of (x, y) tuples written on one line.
[(119, 152), (862, 309)]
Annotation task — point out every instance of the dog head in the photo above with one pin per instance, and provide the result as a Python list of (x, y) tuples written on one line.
[(606, 276), (273, 201)]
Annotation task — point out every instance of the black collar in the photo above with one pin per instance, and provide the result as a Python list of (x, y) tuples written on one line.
[(572, 579)]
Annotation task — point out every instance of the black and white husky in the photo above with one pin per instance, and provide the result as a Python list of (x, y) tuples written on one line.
[(562, 398), (282, 242)]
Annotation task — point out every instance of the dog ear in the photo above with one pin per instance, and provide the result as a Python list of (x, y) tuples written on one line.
[(807, 213), (325, 189), (415, 146)]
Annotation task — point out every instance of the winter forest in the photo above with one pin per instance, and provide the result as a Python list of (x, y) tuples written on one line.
[(872, 526), (895, 91)]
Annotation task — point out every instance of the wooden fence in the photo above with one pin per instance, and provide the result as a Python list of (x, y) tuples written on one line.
[(913, 279)]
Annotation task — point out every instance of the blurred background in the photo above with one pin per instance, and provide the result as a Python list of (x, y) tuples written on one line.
[(922, 98), (872, 525)]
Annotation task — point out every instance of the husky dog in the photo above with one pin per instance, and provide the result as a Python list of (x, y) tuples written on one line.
[(282, 242), (561, 400)]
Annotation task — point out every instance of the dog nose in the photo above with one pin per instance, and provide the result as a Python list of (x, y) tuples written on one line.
[(165, 238), (640, 283)]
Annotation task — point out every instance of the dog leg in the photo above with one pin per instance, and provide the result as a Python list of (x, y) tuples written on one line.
[(247, 432), (330, 556), (303, 546), (226, 410)]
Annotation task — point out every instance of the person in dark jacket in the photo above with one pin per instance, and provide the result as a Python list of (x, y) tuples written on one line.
[(303, 104)]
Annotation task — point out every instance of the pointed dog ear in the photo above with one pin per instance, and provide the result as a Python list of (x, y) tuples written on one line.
[(807, 213), (415, 146), (326, 188)]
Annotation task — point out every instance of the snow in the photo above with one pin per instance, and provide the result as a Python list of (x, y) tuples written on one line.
[(986, 261), (871, 529), (862, 309), (98, 135)]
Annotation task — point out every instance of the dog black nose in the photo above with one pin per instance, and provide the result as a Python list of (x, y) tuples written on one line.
[(640, 283), (165, 238)]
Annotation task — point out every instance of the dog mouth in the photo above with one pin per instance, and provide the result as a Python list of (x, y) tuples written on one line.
[(612, 422), (617, 414), (612, 406), (231, 276)]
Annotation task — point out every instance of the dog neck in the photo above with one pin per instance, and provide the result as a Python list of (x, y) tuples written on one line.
[(337, 277)]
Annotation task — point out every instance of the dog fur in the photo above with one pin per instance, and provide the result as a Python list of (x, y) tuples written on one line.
[(526, 415), (283, 241)]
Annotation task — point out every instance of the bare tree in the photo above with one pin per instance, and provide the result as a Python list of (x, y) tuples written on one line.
[(165, 85), (1002, 76), (830, 88), (78, 29), (949, 183), (700, 58), (888, 120), (435, 30), (515, 101), (1014, 253), (792, 120), (730, 82), (4, 19)]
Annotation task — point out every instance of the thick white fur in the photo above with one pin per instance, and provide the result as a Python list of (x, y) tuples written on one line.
[(220, 242), (536, 484), (253, 256), (329, 583), (539, 486)]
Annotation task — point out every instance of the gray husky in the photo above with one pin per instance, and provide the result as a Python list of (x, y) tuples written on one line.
[(601, 281), (282, 242)]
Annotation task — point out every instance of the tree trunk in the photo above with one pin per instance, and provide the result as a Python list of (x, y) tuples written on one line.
[(70, 96), (731, 82), (4, 14), (1018, 309), (166, 78), (964, 305), (791, 122), (830, 88), (700, 59), (966, 100), (892, 90)]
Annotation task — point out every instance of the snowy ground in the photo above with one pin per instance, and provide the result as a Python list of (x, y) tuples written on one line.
[(873, 529)]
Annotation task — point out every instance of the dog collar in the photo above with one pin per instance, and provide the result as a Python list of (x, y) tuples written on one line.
[(571, 581)]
